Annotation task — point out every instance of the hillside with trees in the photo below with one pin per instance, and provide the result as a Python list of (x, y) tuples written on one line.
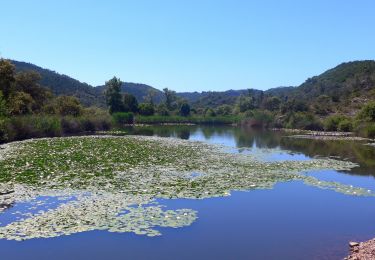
[(39, 102)]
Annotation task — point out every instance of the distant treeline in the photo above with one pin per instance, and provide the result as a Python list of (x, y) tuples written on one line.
[(29, 109)]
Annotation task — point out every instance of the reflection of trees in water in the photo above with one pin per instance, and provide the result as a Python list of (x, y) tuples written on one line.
[(352, 150), (247, 137)]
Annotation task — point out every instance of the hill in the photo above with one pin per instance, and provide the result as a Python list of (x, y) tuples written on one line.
[(341, 89), (61, 84)]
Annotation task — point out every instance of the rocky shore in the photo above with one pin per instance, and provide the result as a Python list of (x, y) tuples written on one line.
[(362, 251)]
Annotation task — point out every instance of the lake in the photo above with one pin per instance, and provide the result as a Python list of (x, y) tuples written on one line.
[(292, 220)]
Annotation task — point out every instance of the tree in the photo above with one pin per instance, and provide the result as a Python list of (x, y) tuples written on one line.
[(272, 103), (162, 110), (146, 109), (149, 98), (245, 103), (3, 106), (68, 106), (130, 103), (20, 103), (28, 82), (185, 109), (170, 99), (224, 110), (113, 95), (7, 71), (367, 113)]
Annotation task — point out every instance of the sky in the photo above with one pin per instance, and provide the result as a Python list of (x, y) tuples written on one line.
[(189, 45)]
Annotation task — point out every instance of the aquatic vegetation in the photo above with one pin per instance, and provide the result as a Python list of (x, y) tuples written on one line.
[(115, 180)]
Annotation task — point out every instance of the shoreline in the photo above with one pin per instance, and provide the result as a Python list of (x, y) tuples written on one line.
[(362, 251)]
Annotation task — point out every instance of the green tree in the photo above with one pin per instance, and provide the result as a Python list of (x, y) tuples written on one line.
[(3, 106), (170, 99), (367, 113), (7, 71), (272, 103), (20, 103), (68, 106), (28, 82), (130, 103), (245, 103), (224, 110), (146, 109), (185, 109), (162, 110), (113, 95)]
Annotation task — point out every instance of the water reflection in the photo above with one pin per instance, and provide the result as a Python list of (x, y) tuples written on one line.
[(242, 137)]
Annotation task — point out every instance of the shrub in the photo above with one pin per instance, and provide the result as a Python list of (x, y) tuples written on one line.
[(122, 118), (146, 109), (185, 109), (303, 120), (71, 125), (367, 113), (332, 123), (345, 126)]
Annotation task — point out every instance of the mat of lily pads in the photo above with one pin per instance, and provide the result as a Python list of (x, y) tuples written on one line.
[(112, 182)]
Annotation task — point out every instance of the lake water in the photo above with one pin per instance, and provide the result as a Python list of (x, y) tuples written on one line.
[(290, 221)]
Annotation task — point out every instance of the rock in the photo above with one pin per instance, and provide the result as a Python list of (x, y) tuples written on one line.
[(353, 244)]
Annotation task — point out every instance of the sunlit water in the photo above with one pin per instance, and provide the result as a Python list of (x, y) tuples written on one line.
[(290, 221)]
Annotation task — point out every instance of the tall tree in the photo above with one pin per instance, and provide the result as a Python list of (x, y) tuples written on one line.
[(113, 95), (7, 71), (170, 98), (130, 103)]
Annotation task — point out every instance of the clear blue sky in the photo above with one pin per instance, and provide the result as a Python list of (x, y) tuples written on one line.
[(189, 45)]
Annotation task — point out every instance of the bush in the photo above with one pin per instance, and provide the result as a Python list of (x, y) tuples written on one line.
[(332, 123), (366, 130), (122, 118), (71, 125), (185, 109), (146, 109), (367, 113), (345, 126), (303, 120)]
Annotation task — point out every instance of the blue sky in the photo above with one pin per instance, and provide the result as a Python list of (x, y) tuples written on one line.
[(189, 45)]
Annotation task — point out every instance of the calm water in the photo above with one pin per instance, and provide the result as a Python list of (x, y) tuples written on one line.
[(291, 221)]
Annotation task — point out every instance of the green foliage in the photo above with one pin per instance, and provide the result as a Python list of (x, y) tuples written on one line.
[(20, 103), (272, 103), (28, 82), (332, 123), (162, 110), (224, 110), (245, 103), (170, 99), (3, 106), (210, 112), (130, 103), (258, 118), (146, 109), (367, 113), (157, 119), (68, 106), (185, 109), (303, 120), (345, 126), (7, 72), (121, 118), (113, 95)]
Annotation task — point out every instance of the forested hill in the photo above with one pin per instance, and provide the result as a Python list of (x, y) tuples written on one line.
[(64, 85), (344, 88), (88, 95)]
